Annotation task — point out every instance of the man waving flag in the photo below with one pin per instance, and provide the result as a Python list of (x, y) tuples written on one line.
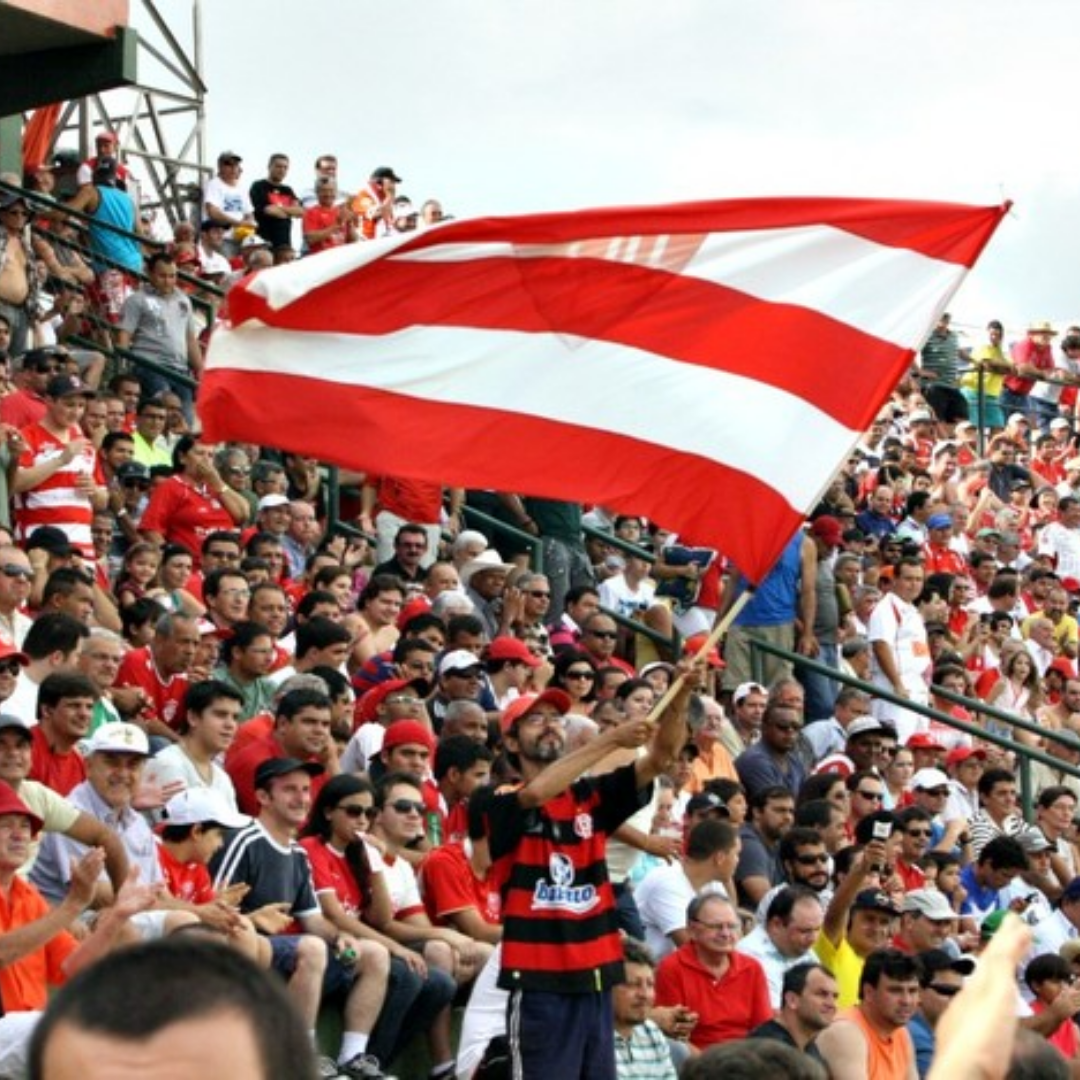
[(707, 364)]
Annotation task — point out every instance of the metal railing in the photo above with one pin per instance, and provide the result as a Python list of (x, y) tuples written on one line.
[(1026, 754)]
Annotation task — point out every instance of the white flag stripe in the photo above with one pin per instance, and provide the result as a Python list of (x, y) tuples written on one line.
[(883, 291), (281, 285), (579, 381)]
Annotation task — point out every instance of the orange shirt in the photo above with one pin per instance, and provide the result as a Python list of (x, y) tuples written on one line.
[(24, 984), (888, 1057), (709, 765)]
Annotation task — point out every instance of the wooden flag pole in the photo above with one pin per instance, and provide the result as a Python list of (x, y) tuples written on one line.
[(717, 632)]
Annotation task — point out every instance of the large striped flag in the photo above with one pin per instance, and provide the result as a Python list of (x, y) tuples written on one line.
[(708, 364)]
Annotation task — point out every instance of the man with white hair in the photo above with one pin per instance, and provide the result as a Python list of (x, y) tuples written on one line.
[(467, 545)]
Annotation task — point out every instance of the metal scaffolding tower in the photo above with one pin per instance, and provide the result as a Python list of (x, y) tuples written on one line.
[(160, 119)]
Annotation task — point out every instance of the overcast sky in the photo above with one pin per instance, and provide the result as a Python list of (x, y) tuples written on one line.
[(513, 106)]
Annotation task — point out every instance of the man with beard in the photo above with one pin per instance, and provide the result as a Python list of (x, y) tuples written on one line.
[(561, 951), (771, 813), (870, 1041)]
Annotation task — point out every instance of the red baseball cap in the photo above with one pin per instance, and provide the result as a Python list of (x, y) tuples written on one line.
[(512, 648), (923, 741), (692, 646), (520, 706), (9, 652), (10, 803), (408, 733), (962, 754)]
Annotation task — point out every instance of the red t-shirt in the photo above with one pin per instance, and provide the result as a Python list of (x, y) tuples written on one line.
[(21, 409), (166, 694), (185, 515), (449, 885), (330, 873), (414, 500), (188, 881), (728, 1008), (242, 767), (61, 772), (317, 218)]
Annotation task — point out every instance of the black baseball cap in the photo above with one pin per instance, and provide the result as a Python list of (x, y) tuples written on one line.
[(282, 766)]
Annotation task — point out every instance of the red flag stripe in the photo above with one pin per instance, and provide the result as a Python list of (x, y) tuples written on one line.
[(496, 448), (584, 383)]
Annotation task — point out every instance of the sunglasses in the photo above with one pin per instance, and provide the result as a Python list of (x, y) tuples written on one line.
[(608, 635), (812, 860), (945, 991), (873, 796), (12, 571), (919, 834), (10, 667), (537, 595), (407, 806), (359, 811), (581, 675)]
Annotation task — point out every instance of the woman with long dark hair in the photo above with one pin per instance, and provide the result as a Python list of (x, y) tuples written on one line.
[(346, 868)]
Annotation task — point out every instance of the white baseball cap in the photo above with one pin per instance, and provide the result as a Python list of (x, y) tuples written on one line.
[(203, 806)]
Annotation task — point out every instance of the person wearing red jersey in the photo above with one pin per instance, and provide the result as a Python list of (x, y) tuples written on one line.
[(456, 884), (388, 503), (161, 670), (727, 989), (328, 224), (26, 405), (194, 502), (65, 708), (301, 731), (59, 479), (938, 557), (561, 950), (461, 766)]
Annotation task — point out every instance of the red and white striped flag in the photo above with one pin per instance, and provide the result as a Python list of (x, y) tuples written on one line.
[(708, 364)]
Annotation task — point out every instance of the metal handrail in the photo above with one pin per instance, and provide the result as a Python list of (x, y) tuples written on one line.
[(535, 544), (1027, 754)]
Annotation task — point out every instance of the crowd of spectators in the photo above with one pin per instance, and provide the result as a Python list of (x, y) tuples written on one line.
[(220, 714)]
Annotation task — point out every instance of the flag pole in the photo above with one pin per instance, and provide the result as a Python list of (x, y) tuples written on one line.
[(719, 629)]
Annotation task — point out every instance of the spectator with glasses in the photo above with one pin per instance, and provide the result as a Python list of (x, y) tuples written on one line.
[(772, 760), (867, 794), (727, 989), (575, 674), (16, 577), (27, 404)]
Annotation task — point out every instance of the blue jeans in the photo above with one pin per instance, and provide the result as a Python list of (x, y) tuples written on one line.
[(820, 689), (410, 1008)]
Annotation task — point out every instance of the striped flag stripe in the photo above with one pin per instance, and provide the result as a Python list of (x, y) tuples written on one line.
[(584, 383)]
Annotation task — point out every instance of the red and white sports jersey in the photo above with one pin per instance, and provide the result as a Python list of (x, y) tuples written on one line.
[(56, 501)]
